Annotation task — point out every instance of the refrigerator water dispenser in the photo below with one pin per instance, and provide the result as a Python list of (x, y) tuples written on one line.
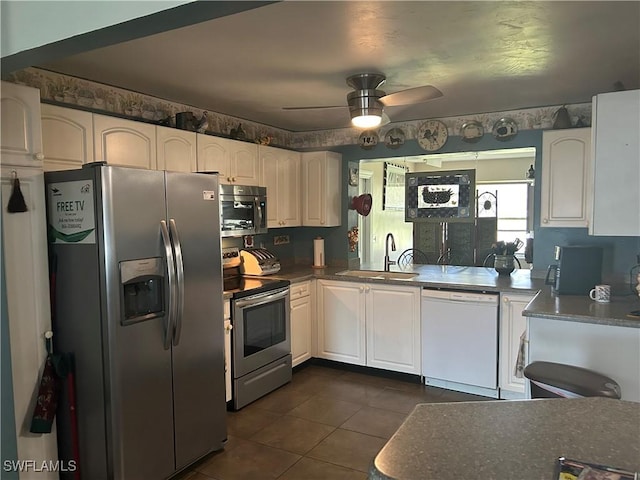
[(142, 287)]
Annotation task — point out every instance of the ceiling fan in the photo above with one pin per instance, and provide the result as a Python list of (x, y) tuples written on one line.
[(366, 102)]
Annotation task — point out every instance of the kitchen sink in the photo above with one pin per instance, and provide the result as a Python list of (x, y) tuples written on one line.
[(378, 275)]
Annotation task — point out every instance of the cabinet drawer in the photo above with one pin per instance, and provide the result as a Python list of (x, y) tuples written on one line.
[(299, 290)]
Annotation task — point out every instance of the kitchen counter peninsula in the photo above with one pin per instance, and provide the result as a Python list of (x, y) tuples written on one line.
[(580, 308), (510, 439)]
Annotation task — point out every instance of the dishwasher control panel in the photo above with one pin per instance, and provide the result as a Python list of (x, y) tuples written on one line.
[(459, 296)]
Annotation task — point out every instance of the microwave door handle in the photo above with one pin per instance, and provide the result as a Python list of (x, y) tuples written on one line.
[(168, 252), (249, 302), (177, 246), (259, 214)]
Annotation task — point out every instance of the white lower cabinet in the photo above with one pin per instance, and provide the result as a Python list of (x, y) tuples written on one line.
[(227, 349), (393, 327), (301, 319), (376, 325), (512, 325)]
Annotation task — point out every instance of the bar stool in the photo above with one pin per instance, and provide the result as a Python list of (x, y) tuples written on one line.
[(557, 380)]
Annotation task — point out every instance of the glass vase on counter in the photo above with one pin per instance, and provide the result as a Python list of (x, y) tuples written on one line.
[(504, 264)]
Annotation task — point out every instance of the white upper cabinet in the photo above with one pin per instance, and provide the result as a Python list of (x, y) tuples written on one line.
[(21, 135), (237, 162), (280, 173), (176, 149), (616, 164), (565, 195), (321, 189), (124, 142), (67, 137)]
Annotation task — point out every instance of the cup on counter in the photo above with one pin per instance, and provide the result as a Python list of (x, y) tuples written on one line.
[(601, 293)]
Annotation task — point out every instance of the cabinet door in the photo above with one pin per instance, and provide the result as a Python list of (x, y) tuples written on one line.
[(176, 149), (512, 325), (300, 330), (393, 327), (341, 321), (244, 163), (616, 164), (289, 189), (124, 142), (280, 173), (321, 189), (67, 137), (213, 156), (24, 241), (269, 177), (564, 199), (21, 131)]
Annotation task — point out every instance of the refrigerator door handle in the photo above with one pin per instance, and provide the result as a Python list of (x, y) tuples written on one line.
[(168, 251), (177, 247)]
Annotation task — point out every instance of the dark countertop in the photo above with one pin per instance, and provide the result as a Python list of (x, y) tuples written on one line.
[(575, 308), (518, 439), (432, 276), (580, 308)]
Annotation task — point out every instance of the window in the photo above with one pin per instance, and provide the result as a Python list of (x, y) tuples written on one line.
[(511, 208)]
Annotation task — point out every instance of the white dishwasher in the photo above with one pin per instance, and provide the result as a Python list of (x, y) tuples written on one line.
[(460, 341)]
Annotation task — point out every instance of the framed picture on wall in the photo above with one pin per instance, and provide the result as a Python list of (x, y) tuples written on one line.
[(393, 187)]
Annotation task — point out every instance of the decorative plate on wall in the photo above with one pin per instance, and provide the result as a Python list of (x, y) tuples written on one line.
[(394, 138), (471, 131), (368, 139), (505, 129)]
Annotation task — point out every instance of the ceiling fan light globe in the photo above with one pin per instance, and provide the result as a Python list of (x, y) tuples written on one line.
[(366, 121)]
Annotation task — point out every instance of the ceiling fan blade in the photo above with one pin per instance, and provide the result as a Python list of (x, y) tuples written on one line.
[(385, 119), (410, 96), (314, 108)]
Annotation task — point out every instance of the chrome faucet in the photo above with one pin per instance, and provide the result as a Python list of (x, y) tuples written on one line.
[(388, 262)]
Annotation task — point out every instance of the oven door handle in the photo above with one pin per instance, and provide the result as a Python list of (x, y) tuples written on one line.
[(260, 299)]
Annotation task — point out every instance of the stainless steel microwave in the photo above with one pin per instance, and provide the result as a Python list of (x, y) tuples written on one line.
[(243, 210)]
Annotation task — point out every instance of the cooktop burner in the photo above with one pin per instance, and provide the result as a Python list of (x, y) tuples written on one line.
[(239, 286)]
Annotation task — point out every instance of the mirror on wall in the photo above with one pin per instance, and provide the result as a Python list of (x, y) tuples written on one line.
[(504, 204)]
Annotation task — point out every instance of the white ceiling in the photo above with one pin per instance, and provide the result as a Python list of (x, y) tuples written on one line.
[(484, 56)]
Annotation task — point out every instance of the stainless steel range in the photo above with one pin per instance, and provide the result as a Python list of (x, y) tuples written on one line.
[(261, 343)]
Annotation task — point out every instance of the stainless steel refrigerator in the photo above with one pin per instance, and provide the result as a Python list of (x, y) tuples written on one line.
[(138, 302)]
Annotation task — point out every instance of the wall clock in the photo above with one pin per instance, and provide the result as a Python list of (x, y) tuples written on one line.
[(432, 135)]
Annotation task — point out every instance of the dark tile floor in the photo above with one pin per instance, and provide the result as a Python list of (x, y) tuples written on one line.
[(326, 424)]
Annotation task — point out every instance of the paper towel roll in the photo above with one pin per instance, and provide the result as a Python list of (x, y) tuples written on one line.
[(318, 252)]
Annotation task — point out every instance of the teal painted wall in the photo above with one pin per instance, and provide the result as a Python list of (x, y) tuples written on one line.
[(619, 252)]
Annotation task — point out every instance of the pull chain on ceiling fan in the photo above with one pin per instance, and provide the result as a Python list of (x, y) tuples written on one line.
[(366, 102)]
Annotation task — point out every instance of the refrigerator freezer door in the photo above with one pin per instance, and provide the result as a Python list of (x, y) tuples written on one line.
[(139, 383), (198, 350)]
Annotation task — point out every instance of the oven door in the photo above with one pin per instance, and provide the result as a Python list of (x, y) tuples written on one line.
[(261, 330)]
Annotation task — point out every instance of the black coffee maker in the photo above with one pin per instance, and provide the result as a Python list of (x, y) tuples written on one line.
[(577, 271)]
